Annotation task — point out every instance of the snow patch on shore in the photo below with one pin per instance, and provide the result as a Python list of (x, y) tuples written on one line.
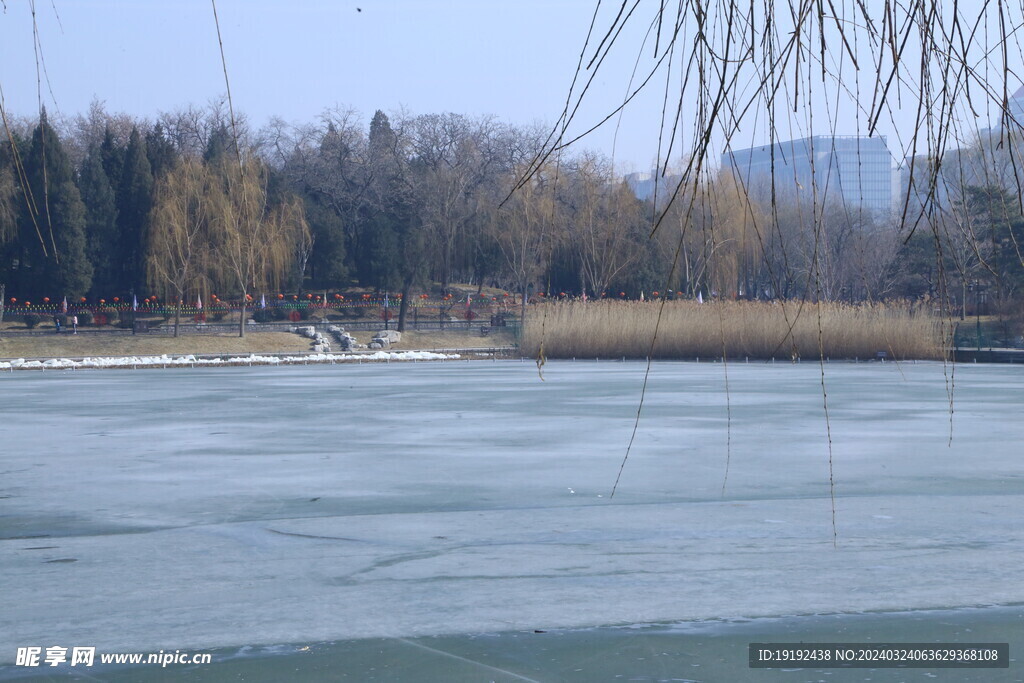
[(191, 360)]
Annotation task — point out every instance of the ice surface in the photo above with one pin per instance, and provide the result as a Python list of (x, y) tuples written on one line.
[(229, 506)]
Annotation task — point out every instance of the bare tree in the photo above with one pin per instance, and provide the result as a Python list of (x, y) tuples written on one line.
[(931, 75), (254, 243), (190, 128), (604, 224), (524, 230), (180, 231), (452, 159)]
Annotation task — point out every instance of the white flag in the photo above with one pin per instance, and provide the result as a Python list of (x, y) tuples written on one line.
[(700, 298), (263, 300), (64, 305), (199, 302), (135, 303)]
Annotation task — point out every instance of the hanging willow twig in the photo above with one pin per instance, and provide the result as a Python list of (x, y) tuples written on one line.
[(931, 75)]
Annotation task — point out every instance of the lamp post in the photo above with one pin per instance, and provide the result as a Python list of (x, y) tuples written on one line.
[(963, 298), (977, 288)]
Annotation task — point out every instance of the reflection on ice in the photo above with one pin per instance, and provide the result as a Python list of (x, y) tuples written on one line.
[(225, 507)]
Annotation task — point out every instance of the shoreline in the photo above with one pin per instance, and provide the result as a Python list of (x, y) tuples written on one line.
[(105, 350), (275, 358), (165, 361)]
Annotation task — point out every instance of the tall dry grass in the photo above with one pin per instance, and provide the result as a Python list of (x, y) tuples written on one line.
[(613, 329)]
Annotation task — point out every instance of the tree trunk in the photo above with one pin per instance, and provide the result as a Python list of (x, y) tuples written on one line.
[(3, 297), (177, 316), (241, 318), (403, 308), (522, 308)]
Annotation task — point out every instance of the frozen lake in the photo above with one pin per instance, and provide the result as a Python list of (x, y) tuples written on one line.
[(239, 507)]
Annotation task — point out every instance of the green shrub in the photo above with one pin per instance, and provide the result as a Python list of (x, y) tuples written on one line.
[(262, 315), (85, 318), (30, 320)]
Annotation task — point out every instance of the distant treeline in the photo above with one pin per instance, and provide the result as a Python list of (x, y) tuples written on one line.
[(105, 205)]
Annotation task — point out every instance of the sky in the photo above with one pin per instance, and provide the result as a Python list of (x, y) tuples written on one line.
[(511, 59)]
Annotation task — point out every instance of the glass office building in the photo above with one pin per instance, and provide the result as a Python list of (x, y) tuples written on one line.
[(853, 170)]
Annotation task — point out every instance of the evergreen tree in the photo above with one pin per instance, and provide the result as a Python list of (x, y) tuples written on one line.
[(381, 223), (134, 201), (8, 219), (160, 151), (382, 140), (52, 244), (112, 155), (100, 222), (396, 241), (378, 263), (8, 197), (994, 214), (327, 268), (219, 146)]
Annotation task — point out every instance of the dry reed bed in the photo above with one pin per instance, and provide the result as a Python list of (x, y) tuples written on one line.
[(740, 329)]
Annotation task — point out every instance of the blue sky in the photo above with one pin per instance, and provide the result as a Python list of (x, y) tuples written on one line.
[(513, 59)]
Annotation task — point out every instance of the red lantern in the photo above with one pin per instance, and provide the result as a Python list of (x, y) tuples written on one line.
[(280, 296), (13, 300), (309, 296), (82, 299), (116, 299), (622, 294), (27, 304), (103, 301), (654, 293), (46, 299)]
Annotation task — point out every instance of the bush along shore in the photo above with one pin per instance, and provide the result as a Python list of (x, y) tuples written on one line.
[(735, 329)]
